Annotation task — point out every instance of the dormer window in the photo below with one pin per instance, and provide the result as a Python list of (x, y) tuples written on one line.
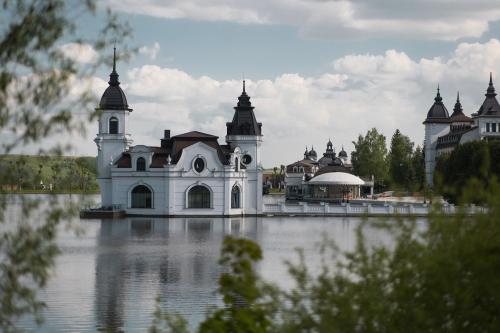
[(113, 125), (140, 164)]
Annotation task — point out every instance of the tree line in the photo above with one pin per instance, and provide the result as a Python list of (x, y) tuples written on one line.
[(48, 173), (475, 162), (402, 167)]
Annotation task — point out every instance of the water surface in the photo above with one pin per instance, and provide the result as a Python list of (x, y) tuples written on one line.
[(109, 277)]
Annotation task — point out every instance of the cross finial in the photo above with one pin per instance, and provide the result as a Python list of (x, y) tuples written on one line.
[(243, 85), (491, 79), (458, 96)]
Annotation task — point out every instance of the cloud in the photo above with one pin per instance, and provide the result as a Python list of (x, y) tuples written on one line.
[(361, 91), (427, 19), (150, 51), (81, 53)]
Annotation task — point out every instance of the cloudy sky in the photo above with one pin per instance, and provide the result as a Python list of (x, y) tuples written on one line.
[(315, 69)]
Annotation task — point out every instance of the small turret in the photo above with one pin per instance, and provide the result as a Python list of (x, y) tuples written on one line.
[(114, 98), (438, 112), (490, 105)]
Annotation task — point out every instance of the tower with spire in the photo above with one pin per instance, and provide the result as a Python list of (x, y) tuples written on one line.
[(487, 117), (443, 132), (112, 137), (246, 133), (436, 124)]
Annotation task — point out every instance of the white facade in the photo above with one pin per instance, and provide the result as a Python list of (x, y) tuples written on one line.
[(432, 132), (444, 132), (188, 175)]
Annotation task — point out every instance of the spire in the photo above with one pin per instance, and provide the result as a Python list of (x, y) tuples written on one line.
[(244, 122), (438, 98), (113, 77), (114, 59), (458, 106), (244, 99), (490, 92)]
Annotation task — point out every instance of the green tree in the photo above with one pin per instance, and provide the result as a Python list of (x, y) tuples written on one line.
[(477, 159), (36, 102), (249, 305), (441, 278), (369, 155), (400, 160), (246, 308), (418, 169)]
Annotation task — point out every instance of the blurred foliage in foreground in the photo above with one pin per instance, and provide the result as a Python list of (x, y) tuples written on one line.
[(45, 98), (442, 276), (25, 173)]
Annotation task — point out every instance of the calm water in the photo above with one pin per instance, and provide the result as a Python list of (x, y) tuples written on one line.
[(110, 276)]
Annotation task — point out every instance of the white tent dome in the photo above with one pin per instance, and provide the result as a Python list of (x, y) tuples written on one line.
[(337, 178)]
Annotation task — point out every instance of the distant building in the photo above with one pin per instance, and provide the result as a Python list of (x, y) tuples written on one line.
[(444, 132), (328, 179), (187, 174)]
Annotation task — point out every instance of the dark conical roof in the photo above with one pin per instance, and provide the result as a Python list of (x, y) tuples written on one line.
[(312, 152), (438, 112), (490, 105), (343, 153), (244, 122), (458, 113), (114, 98)]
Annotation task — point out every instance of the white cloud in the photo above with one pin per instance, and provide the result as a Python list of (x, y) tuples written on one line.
[(428, 19), (82, 53), (150, 51), (385, 91)]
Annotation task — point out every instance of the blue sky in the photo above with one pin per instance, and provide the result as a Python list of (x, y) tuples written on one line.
[(315, 69)]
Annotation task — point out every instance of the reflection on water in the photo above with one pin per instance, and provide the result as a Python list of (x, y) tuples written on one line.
[(108, 278), (176, 259)]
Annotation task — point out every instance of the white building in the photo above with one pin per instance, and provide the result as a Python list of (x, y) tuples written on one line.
[(444, 132), (187, 174), (328, 179)]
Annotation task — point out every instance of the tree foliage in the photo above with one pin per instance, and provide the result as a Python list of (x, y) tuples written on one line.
[(38, 100), (441, 277), (369, 155), (28, 173), (478, 159), (406, 166)]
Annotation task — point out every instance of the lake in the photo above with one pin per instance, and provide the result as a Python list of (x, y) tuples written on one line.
[(109, 276)]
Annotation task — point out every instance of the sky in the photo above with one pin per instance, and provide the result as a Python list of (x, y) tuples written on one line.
[(315, 69)]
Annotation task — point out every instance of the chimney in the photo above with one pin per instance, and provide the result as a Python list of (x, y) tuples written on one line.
[(165, 139)]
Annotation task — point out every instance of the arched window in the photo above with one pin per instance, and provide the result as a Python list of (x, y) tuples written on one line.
[(142, 197), (140, 165), (113, 125), (235, 197), (199, 197)]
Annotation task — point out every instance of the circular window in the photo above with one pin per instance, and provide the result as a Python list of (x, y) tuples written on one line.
[(199, 164), (247, 159)]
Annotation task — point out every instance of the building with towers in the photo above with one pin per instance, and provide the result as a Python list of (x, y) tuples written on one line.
[(188, 174), (328, 179), (444, 132)]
